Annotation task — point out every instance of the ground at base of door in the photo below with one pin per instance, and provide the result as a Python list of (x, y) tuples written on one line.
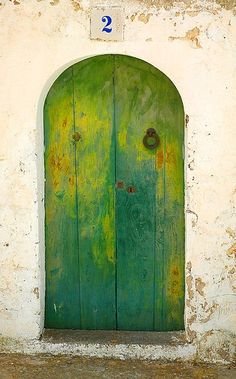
[(41, 366)]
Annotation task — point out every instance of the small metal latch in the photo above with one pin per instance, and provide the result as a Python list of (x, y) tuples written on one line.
[(131, 189)]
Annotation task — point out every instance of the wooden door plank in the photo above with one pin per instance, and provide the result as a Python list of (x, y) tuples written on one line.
[(94, 103), (150, 221), (80, 216), (62, 275), (135, 93), (170, 204), (173, 291)]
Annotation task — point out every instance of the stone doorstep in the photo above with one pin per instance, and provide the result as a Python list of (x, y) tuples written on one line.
[(113, 337), (118, 344), (162, 346)]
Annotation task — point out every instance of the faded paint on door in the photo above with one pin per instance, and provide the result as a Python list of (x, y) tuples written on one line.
[(114, 209)]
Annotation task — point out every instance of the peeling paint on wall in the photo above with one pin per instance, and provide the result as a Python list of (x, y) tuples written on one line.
[(199, 285), (76, 5), (36, 292), (144, 17), (232, 250), (191, 6), (15, 2), (191, 35), (54, 2)]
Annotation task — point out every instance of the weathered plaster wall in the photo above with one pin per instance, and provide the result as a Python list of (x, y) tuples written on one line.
[(193, 42)]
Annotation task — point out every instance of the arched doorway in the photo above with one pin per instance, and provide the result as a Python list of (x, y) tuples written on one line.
[(114, 197)]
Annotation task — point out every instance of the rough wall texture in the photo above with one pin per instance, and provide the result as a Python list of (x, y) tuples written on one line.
[(192, 42)]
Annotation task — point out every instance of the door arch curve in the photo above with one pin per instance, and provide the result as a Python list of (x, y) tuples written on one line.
[(114, 207)]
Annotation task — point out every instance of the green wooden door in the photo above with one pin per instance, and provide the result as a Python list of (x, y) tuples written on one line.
[(114, 208)]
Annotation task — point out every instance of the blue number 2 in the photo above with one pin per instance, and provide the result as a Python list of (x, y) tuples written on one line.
[(108, 21)]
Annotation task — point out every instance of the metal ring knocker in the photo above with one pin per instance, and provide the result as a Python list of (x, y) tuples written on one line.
[(151, 140)]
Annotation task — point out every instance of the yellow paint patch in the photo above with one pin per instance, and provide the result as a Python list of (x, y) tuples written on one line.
[(159, 159), (173, 167), (174, 288), (59, 159), (122, 138), (108, 229)]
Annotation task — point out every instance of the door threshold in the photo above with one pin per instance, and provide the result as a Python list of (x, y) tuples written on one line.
[(161, 346), (113, 337)]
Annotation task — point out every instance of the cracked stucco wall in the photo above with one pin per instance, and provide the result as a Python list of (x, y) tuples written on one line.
[(192, 42)]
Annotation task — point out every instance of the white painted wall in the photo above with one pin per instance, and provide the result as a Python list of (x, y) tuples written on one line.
[(192, 42)]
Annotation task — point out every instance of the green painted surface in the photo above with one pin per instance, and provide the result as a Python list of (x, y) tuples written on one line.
[(136, 111), (96, 185), (114, 258), (62, 285)]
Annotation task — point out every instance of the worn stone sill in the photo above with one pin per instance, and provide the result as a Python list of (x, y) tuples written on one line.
[(163, 346), (167, 346), (114, 337)]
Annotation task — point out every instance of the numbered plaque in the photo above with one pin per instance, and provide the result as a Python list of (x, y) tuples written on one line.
[(107, 23)]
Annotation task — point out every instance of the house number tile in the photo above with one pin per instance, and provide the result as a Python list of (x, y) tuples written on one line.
[(107, 23)]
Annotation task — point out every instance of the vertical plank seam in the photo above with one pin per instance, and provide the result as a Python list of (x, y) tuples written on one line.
[(115, 193), (183, 215), (164, 278), (76, 194), (45, 213), (155, 235)]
